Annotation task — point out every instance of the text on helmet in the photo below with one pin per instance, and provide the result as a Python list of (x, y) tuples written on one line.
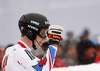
[(34, 22), (32, 27)]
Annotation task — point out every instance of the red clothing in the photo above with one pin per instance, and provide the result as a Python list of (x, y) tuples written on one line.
[(97, 59), (59, 63)]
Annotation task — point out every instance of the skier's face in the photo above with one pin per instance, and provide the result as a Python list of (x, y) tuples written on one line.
[(38, 42)]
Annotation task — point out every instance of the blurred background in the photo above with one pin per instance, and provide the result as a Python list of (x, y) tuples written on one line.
[(73, 15), (79, 18)]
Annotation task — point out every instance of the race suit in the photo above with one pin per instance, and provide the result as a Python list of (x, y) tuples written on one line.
[(20, 58)]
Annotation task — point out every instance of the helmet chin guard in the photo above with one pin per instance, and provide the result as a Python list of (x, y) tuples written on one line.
[(34, 46), (33, 24), (29, 35)]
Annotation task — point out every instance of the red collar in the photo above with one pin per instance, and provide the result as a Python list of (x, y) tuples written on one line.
[(21, 44)]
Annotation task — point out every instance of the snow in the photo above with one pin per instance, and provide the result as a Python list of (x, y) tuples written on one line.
[(89, 67)]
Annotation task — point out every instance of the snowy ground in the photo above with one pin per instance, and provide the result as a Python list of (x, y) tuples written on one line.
[(89, 67)]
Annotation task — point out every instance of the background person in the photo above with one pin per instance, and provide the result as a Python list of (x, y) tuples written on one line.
[(96, 42), (86, 52), (2, 52)]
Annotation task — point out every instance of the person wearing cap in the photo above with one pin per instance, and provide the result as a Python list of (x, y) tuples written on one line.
[(86, 52)]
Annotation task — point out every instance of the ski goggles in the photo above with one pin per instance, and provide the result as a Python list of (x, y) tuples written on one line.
[(43, 33)]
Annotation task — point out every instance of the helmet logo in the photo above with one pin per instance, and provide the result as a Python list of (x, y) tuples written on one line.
[(22, 28), (32, 27), (34, 22)]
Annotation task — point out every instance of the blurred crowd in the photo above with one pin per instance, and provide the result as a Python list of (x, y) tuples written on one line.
[(2, 52), (71, 51)]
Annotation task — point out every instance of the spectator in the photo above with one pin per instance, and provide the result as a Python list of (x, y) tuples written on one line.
[(60, 51), (86, 52), (71, 58), (96, 42), (85, 35), (66, 44), (2, 52), (70, 38)]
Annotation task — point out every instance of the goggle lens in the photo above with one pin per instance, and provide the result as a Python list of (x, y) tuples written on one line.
[(43, 33)]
